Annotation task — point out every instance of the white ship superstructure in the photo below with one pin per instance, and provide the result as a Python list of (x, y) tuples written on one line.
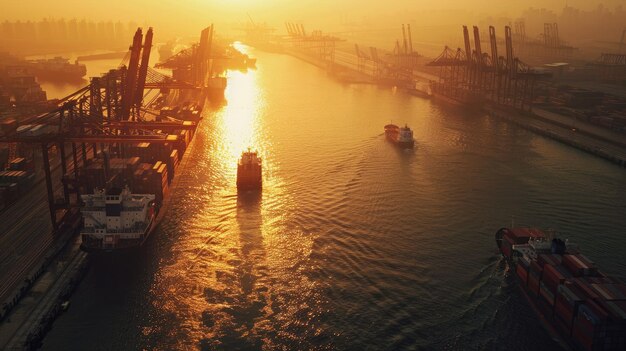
[(116, 219)]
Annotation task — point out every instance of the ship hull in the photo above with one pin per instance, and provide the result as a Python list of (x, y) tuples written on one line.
[(545, 321), (249, 181), (393, 138)]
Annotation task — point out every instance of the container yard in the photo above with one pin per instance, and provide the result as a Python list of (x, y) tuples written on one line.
[(140, 150)]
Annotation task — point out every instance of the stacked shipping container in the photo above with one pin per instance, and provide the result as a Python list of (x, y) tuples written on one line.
[(585, 307), (16, 181)]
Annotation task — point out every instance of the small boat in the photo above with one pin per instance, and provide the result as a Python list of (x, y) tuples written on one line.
[(249, 173), (401, 136)]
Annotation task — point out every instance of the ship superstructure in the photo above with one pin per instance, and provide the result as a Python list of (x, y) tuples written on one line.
[(402, 136), (116, 219)]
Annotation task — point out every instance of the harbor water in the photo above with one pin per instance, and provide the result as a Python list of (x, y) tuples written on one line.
[(352, 244)]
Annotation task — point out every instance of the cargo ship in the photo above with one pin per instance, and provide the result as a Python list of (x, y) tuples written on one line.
[(249, 173), (116, 220), (58, 68), (582, 308), (124, 198), (401, 136)]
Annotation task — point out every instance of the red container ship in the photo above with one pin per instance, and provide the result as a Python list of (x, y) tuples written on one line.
[(581, 307), (249, 173), (401, 136)]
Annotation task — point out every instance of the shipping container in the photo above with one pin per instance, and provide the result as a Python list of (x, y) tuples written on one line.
[(554, 276), (547, 293), (610, 292), (545, 307), (568, 299), (533, 283), (579, 265), (522, 273), (595, 328), (550, 259)]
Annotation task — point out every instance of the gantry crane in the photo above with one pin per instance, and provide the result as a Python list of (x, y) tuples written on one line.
[(107, 114)]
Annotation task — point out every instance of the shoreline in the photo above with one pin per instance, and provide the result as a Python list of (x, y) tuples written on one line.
[(581, 135)]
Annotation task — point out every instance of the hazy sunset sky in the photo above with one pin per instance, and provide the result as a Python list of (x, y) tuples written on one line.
[(177, 10), (182, 17)]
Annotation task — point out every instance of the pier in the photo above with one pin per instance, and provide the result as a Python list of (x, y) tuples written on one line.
[(98, 124)]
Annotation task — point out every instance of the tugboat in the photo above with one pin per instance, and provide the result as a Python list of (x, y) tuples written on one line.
[(249, 174), (401, 136)]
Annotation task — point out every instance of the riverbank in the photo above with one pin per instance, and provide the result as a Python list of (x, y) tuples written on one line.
[(551, 125), (343, 73), (595, 140)]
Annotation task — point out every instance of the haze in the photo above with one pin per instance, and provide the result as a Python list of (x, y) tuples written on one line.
[(185, 16)]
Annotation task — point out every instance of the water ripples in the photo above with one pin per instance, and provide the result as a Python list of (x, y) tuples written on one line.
[(353, 243)]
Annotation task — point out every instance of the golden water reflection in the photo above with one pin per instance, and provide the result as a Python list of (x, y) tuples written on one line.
[(236, 257), (239, 120)]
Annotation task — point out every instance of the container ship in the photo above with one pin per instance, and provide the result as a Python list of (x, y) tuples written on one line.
[(117, 219), (401, 136), (58, 68), (123, 198), (249, 173), (581, 307)]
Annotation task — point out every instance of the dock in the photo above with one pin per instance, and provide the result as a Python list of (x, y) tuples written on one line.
[(42, 260)]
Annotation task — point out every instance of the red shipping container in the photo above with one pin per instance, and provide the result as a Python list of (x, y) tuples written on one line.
[(547, 293), (552, 276), (550, 259), (590, 315), (533, 284), (563, 327), (610, 291), (581, 338), (563, 314), (579, 265), (585, 288), (536, 268), (522, 273), (616, 311), (544, 306)]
